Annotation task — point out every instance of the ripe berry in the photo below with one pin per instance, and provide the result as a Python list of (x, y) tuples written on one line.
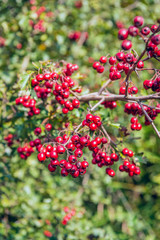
[(51, 168), (134, 127), (126, 164), (139, 127), (100, 69), (75, 103), (133, 31), (89, 118), (154, 28), (132, 167), (78, 153), (121, 168), (134, 90), (130, 153), (126, 44), (111, 173), (93, 126), (96, 65), (64, 172), (137, 171), (60, 149), (72, 159), (37, 131), (125, 151), (114, 157), (138, 21), (41, 157), (62, 163), (48, 127), (145, 31), (54, 155), (134, 120), (112, 60), (65, 110), (104, 140), (120, 56), (156, 39), (123, 33), (140, 64), (39, 77), (103, 59)]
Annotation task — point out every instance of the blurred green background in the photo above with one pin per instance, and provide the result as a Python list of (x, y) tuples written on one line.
[(122, 208)]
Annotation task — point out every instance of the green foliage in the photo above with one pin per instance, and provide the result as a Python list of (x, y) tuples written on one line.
[(121, 208)]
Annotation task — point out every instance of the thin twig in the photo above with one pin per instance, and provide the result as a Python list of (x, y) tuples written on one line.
[(149, 119)]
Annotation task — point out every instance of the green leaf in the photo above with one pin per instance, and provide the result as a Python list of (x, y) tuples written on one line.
[(24, 78)]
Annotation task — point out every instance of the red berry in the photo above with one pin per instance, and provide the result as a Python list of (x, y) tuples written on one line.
[(48, 127), (89, 118), (145, 31), (84, 164), (126, 44), (75, 103), (137, 171), (41, 157), (104, 140), (60, 149), (140, 64), (133, 31), (130, 153), (138, 21), (126, 164), (93, 126), (132, 167), (51, 168), (112, 60), (39, 77), (134, 120), (78, 153), (139, 127), (111, 173), (125, 151), (103, 59), (96, 65), (123, 33), (100, 69)]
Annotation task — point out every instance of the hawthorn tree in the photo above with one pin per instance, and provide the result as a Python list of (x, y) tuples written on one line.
[(59, 79)]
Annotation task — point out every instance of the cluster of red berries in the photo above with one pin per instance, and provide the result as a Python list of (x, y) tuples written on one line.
[(131, 90), (135, 109), (9, 139), (98, 65), (109, 104), (131, 168), (135, 125), (133, 31), (38, 24), (91, 121), (153, 84), (76, 35), (28, 102), (102, 160), (44, 83), (69, 215), (25, 152)]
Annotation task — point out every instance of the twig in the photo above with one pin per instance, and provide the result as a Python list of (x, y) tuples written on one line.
[(104, 86), (149, 119)]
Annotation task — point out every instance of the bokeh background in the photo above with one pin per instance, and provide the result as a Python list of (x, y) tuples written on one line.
[(32, 199)]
